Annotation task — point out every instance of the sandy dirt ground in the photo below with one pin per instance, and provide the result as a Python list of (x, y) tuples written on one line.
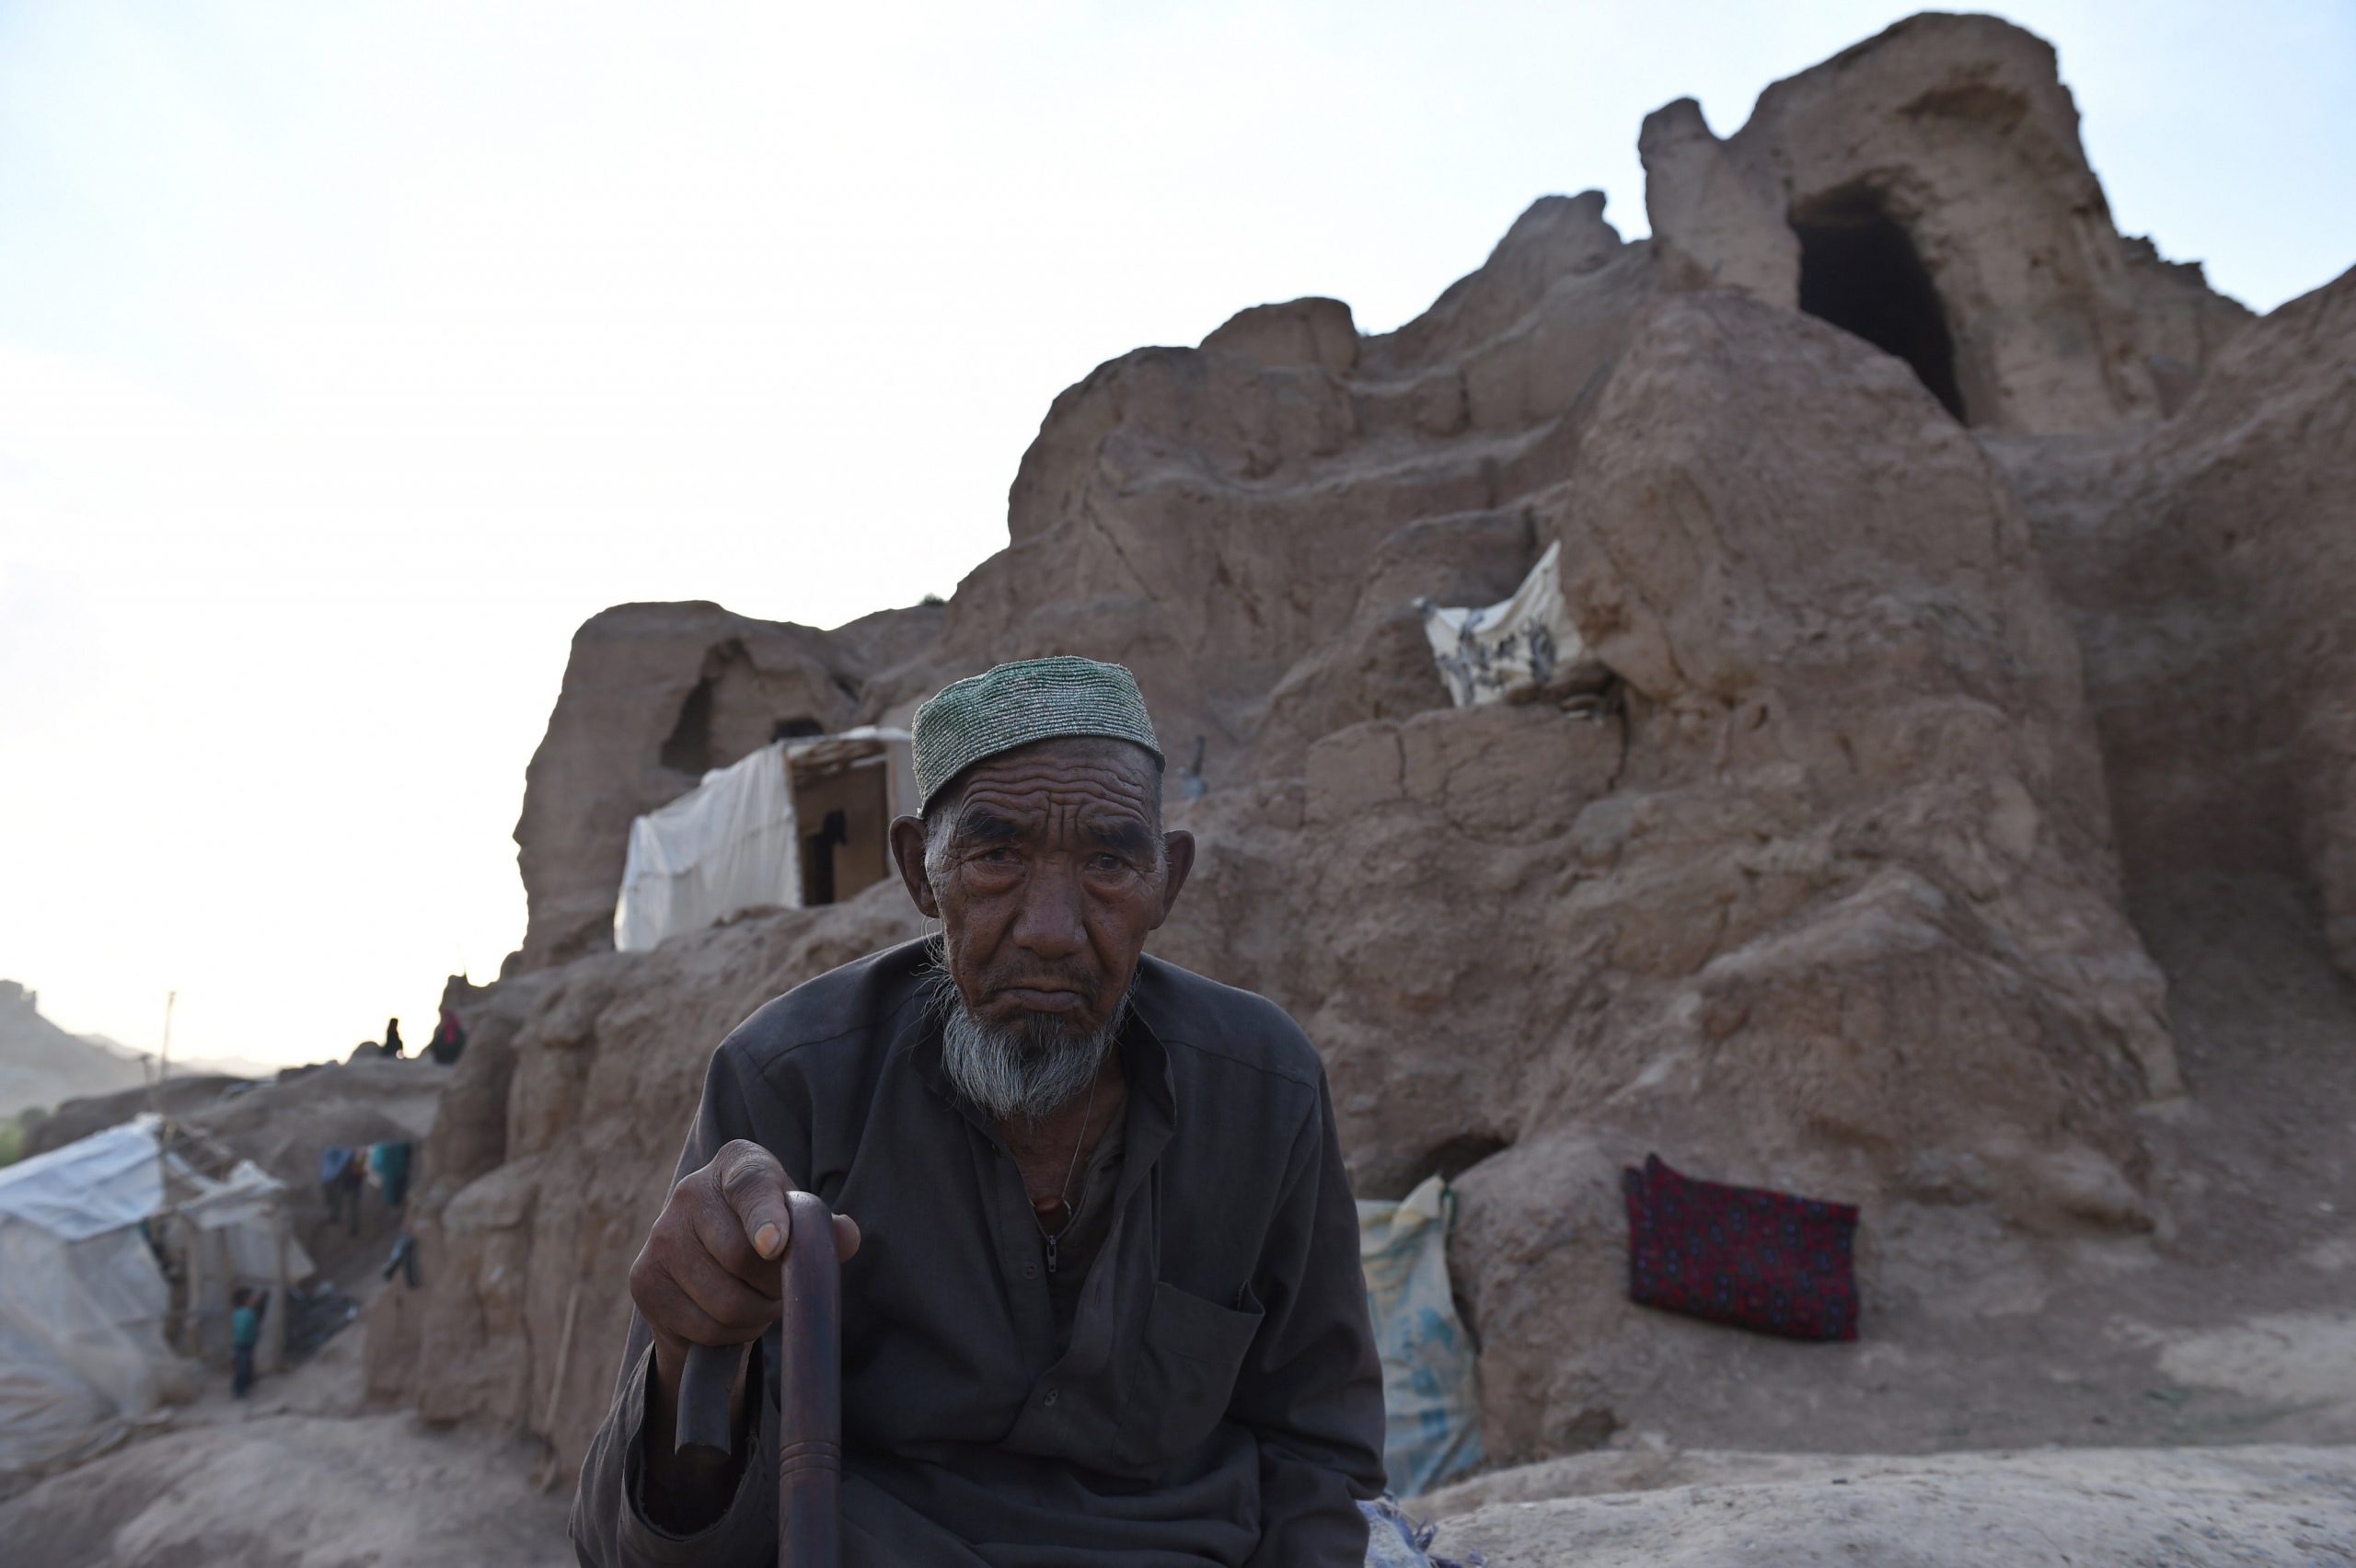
[(297, 1476), (2088, 1507), (286, 1491), (300, 1478)]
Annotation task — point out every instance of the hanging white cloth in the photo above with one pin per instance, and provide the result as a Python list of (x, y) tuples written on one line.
[(1489, 652), (726, 844)]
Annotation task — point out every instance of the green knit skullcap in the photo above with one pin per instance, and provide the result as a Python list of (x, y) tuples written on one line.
[(1013, 705)]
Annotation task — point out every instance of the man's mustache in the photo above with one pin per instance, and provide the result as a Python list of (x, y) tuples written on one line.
[(1033, 980)]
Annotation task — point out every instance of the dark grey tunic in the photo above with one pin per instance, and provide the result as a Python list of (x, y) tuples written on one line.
[(1219, 1400)]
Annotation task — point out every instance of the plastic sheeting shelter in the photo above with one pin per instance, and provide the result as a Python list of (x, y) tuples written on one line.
[(85, 1308), (82, 1303), (1521, 648), (799, 823), (226, 1233)]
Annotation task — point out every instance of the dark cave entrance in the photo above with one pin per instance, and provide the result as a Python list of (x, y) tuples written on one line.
[(687, 748), (818, 860), (694, 745), (1860, 271)]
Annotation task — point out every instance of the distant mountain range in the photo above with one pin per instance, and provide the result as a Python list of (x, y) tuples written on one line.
[(42, 1065)]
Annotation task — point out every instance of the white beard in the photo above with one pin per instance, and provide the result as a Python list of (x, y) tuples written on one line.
[(1009, 1073)]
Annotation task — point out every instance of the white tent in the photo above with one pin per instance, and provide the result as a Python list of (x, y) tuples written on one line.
[(85, 1303), (748, 836)]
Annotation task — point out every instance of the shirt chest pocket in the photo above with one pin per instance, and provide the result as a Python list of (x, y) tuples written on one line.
[(1182, 1375)]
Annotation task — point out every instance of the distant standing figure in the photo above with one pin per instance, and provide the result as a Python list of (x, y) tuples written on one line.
[(356, 1183), (449, 1039), (245, 1332), (393, 1038), (390, 1163), (341, 1177)]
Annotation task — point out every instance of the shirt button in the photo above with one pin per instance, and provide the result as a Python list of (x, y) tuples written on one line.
[(1051, 1396), (1030, 1271)]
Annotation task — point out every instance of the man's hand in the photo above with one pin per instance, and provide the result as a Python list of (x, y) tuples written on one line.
[(710, 1274)]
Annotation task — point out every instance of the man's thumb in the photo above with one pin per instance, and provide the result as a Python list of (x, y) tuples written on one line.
[(754, 1185)]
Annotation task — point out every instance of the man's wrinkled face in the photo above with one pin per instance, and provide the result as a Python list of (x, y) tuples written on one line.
[(1048, 869)]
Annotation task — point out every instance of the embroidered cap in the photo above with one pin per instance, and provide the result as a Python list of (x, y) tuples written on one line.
[(1013, 705)]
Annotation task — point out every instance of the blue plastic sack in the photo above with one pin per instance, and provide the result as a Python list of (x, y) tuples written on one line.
[(1430, 1393), (1395, 1539)]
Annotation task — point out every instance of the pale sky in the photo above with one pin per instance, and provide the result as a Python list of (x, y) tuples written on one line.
[(352, 355)]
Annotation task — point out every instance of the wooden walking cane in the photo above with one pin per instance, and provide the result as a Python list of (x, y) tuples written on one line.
[(809, 1395)]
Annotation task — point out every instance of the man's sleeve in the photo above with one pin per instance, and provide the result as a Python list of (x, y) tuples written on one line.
[(609, 1526), (1311, 1388)]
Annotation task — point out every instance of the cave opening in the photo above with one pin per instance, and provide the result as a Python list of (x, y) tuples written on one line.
[(1860, 271), (1455, 1155), (687, 748)]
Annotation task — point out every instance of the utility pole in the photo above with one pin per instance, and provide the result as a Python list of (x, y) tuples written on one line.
[(165, 1069)]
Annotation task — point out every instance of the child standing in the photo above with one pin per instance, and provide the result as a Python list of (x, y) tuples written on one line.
[(245, 1332)]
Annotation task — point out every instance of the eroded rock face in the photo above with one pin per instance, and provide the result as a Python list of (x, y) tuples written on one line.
[(1833, 898), (2208, 561), (2182, 323), (2260, 469), (2217, 558), (1826, 892), (1927, 188), (1206, 516)]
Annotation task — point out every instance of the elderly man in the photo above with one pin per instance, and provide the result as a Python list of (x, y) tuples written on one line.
[(1101, 1295)]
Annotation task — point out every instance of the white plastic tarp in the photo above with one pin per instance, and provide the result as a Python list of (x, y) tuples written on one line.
[(82, 1303), (238, 1218), (102, 1182), (81, 1345), (726, 844), (732, 842), (1487, 652)]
